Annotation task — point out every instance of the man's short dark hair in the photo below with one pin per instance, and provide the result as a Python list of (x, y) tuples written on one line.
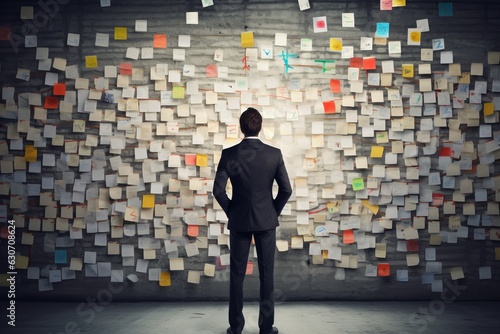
[(251, 122)]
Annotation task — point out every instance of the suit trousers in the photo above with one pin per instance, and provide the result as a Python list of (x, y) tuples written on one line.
[(265, 243)]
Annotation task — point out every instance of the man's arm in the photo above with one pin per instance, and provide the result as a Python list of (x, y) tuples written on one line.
[(284, 187), (220, 183)]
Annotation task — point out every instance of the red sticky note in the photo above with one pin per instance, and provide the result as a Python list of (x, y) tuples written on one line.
[(211, 71), (356, 62), (193, 230), (160, 41), (445, 152), (249, 268), (369, 63), (59, 89), (4, 33), (437, 199), (190, 159), (348, 237), (126, 69), (384, 269), (4, 232), (51, 102), (335, 85), (329, 107), (412, 245)]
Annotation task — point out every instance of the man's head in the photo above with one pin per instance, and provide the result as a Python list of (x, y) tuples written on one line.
[(251, 122)]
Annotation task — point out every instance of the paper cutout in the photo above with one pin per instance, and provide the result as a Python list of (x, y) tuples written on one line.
[(319, 24), (30, 153), (91, 61)]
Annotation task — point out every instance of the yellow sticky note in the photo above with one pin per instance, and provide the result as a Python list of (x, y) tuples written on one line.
[(372, 207), (398, 3), (408, 71), (415, 36), (377, 152), (165, 279), (30, 153), (335, 44), (22, 262), (148, 201), (90, 61), (120, 33), (497, 253), (247, 40), (202, 160), (488, 109), (178, 92)]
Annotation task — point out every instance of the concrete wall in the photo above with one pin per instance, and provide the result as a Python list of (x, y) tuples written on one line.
[(471, 34)]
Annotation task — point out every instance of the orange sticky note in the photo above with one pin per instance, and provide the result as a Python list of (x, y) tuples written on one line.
[(59, 89), (247, 40), (335, 44), (356, 62), (30, 153), (190, 159), (348, 237), (497, 253), (160, 41), (91, 61), (488, 109), (148, 201), (4, 33), (202, 160), (329, 107), (120, 33), (369, 63), (211, 71), (384, 269), (51, 102), (377, 152), (165, 279), (335, 86), (193, 230)]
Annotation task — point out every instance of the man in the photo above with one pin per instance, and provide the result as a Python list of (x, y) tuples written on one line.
[(252, 167)]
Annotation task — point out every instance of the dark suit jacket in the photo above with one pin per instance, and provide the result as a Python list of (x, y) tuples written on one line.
[(252, 167)]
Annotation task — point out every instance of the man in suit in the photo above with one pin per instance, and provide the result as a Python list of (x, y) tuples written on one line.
[(252, 167)]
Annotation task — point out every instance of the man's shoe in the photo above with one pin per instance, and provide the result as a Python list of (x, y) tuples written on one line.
[(230, 331), (273, 331)]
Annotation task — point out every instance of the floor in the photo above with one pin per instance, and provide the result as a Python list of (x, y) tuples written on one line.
[(436, 317)]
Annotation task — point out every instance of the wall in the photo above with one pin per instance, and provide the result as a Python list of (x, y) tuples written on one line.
[(77, 203)]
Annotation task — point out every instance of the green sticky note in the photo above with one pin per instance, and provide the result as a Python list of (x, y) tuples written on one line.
[(358, 184), (178, 92)]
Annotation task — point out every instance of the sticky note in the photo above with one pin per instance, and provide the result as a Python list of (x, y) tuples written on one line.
[(178, 92), (386, 4), (60, 256), (369, 63), (193, 230), (4, 33), (408, 71), (91, 61), (348, 237), (335, 85), (329, 107), (202, 160), (247, 40), (445, 9), (372, 207), (160, 41), (59, 89), (211, 71), (377, 152), (148, 201), (120, 33), (398, 3), (51, 102), (384, 269), (358, 184), (165, 279), (126, 69), (382, 30), (488, 109), (336, 44)]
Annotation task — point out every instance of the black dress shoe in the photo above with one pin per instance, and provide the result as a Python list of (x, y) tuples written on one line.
[(273, 331), (230, 331)]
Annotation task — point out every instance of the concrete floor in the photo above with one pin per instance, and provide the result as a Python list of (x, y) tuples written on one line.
[(433, 317)]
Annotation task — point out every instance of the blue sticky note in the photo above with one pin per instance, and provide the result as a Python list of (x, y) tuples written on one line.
[(382, 30), (60, 256), (445, 9)]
